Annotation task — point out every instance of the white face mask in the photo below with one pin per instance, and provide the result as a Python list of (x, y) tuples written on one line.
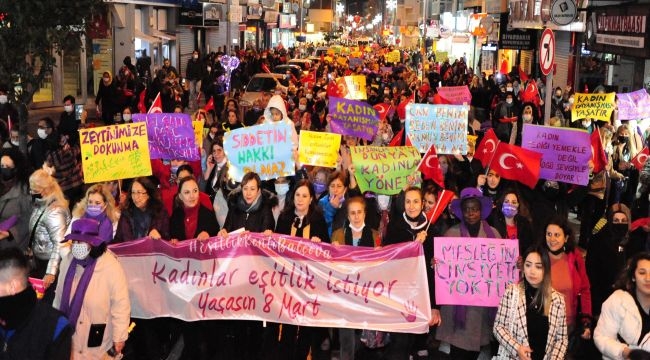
[(508, 89), (302, 107), (384, 136), (68, 108), (42, 133), (509, 101), (357, 229), (126, 117), (309, 96), (281, 189), (3, 99), (195, 57), (571, 100), (527, 118), (15, 142), (586, 123), (383, 201), (80, 250), (209, 69)]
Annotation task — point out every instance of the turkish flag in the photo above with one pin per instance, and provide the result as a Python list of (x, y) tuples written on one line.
[(597, 152), (156, 107), (522, 74), (639, 160), (382, 110), (487, 147), (209, 105), (444, 198), (397, 140), (309, 79), (437, 99), (430, 167), (142, 108), (337, 88), (401, 107), (515, 163)]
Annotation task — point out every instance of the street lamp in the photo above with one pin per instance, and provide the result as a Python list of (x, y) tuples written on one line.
[(391, 4), (340, 8)]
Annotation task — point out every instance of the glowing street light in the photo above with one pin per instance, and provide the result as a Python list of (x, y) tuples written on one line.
[(340, 8), (350, 18), (391, 4)]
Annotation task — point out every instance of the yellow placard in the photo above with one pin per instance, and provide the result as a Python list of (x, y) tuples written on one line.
[(115, 152), (441, 56), (593, 106), (318, 148), (342, 60), (356, 87), (197, 126), (393, 57)]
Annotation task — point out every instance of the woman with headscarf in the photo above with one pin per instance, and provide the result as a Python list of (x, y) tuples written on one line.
[(93, 293), (15, 200), (468, 328)]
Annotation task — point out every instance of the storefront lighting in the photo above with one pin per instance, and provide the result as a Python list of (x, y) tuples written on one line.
[(350, 18), (391, 4), (340, 8)]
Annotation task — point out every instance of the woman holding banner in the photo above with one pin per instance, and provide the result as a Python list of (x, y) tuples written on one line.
[(468, 328), (413, 225), (143, 214), (300, 218), (531, 319)]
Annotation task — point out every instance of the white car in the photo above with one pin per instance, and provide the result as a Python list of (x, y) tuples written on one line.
[(260, 83)]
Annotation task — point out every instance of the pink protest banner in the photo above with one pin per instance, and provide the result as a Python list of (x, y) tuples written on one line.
[(455, 95), (474, 271), (634, 105), (278, 278)]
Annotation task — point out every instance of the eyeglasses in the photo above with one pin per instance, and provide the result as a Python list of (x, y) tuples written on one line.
[(138, 193)]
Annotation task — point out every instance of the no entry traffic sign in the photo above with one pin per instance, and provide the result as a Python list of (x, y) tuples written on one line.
[(546, 51)]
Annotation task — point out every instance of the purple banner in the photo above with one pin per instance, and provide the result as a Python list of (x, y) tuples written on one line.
[(352, 117), (565, 152), (171, 136), (634, 105)]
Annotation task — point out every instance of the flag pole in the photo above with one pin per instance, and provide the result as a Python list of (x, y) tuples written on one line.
[(487, 168)]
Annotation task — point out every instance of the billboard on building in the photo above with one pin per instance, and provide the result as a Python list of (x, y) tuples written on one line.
[(619, 30)]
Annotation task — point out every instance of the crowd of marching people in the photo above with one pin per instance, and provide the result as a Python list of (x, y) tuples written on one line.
[(582, 295)]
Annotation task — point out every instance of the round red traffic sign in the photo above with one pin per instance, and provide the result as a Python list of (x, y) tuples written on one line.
[(546, 51)]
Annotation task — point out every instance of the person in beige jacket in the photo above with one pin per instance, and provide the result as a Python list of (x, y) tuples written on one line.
[(93, 294)]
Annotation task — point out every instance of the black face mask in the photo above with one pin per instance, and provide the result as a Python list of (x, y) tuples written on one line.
[(8, 173), (37, 197), (14, 309), (623, 139), (619, 230)]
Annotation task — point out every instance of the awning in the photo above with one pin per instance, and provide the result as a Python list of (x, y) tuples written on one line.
[(148, 38), (163, 35)]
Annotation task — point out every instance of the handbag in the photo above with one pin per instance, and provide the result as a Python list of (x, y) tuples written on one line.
[(31, 261), (503, 354)]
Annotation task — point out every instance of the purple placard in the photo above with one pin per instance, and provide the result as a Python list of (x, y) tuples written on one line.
[(565, 152), (634, 105), (171, 136), (456, 95), (352, 117)]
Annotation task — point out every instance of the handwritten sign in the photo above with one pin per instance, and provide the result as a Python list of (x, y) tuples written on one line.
[(455, 95), (170, 136), (384, 170), (441, 56), (393, 57), (281, 279), (318, 148), (474, 271), (352, 117), (634, 105), (356, 85), (114, 152), (593, 106), (565, 152), (265, 149), (354, 62), (445, 126), (197, 126)]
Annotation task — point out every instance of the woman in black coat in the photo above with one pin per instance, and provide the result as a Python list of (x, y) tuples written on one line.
[(512, 219), (250, 207), (300, 218)]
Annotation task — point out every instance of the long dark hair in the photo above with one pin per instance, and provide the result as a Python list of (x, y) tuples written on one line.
[(290, 206), (178, 203), (542, 298), (154, 203)]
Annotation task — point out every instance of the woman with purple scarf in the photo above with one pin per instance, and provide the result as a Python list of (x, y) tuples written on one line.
[(468, 328), (93, 293)]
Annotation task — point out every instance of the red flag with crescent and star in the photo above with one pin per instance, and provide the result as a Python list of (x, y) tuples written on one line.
[(156, 106), (486, 147), (382, 110), (639, 160), (397, 140), (430, 167), (444, 198), (598, 156), (515, 163)]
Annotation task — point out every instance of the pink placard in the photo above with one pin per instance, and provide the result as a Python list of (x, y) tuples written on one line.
[(456, 95), (474, 271)]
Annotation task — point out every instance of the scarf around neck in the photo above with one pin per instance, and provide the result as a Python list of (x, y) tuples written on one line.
[(72, 309)]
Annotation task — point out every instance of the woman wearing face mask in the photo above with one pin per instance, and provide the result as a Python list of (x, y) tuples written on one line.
[(107, 99), (622, 325), (47, 223), (98, 204), (14, 199), (624, 190), (319, 178), (142, 213), (512, 219), (412, 225), (608, 253), (528, 115), (467, 328), (93, 293), (127, 115), (282, 188), (300, 218), (569, 277), (531, 319)]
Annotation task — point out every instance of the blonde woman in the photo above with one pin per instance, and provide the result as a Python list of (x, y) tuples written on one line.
[(48, 223), (531, 319), (98, 204)]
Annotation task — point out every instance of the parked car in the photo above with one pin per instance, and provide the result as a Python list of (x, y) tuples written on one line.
[(305, 64), (260, 83), (294, 69)]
